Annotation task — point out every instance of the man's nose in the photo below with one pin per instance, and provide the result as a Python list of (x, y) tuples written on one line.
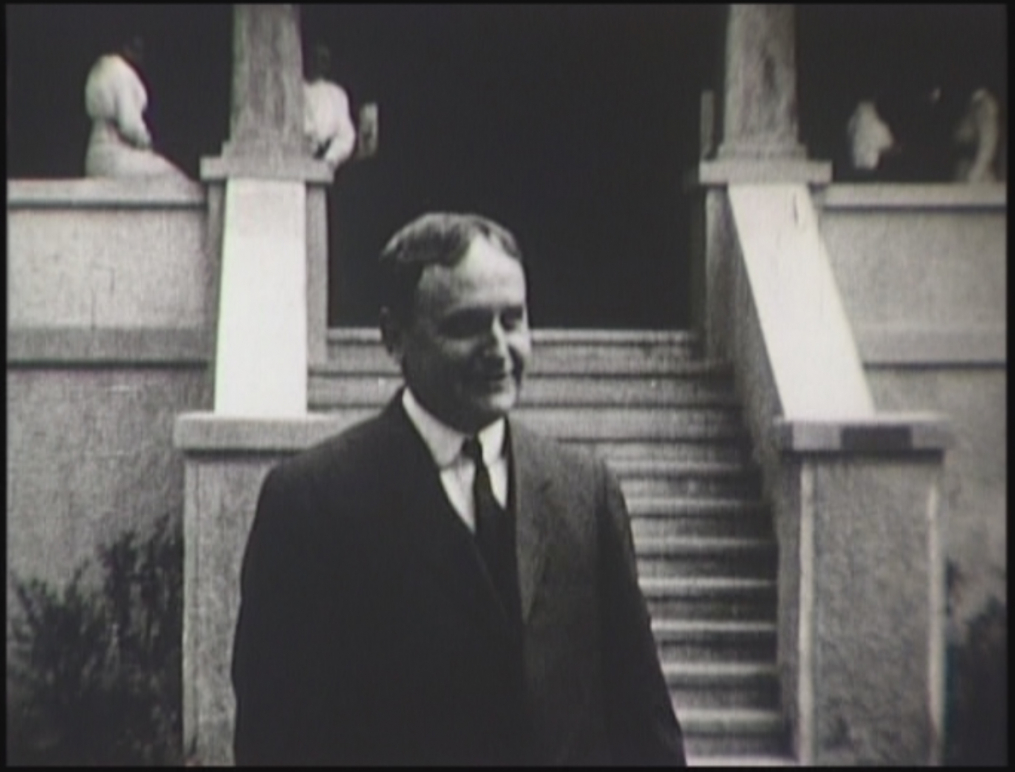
[(497, 339)]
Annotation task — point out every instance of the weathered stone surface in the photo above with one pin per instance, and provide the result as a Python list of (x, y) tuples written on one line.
[(936, 264), (221, 497), (974, 487), (90, 454), (760, 104), (878, 611), (87, 255), (267, 106), (261, 346)]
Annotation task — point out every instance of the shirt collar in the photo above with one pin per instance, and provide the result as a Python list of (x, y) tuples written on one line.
[(445, 443)]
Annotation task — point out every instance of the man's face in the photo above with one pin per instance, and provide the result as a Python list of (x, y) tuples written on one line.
[(464, 351)]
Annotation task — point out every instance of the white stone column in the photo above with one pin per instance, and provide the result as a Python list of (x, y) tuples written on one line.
[(261, 351), (758, 144), (760, 105)]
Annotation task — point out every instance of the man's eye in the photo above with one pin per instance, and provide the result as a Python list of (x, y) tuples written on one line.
[(462, 326), (513, 319)]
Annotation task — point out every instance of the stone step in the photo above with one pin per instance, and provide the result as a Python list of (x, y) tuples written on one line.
[(720, 598), (673, 517), (612, 424), (648, 477), (723, 685), (711, 640), (329, 386), (680, 450), (736, 732), (559, 351), (743, 761), (699, 556)]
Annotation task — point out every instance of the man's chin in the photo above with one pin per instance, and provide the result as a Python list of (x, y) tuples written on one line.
[(487, 408)]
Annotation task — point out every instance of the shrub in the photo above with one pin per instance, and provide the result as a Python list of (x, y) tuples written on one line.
[(94, 675), (977, 692)]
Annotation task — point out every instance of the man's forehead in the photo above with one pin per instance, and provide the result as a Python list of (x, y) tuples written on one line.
[(484, 260), (485, 276)]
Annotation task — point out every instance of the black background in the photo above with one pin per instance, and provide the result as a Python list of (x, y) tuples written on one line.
[(572, 125)]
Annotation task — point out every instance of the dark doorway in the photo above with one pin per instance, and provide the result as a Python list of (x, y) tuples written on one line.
[(898, 55), (572, 125), (50, 48)]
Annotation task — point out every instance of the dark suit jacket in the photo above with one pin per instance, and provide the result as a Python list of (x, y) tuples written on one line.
[(368, 629)]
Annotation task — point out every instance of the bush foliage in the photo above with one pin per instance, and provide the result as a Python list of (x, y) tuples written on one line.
[(94, 675), (978, 692)]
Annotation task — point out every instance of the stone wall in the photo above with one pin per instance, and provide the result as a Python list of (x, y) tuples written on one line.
[(110, 303), (848, 484), (922, 272)]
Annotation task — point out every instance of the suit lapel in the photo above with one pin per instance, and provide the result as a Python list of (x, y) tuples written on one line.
[(530, 482), (433, 531)]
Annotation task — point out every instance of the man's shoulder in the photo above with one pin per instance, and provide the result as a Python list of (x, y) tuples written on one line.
[(554, 452), (348, 455)]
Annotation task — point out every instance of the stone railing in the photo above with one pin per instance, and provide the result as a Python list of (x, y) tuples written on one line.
[(111, 292), (922, 271), (855, 492)]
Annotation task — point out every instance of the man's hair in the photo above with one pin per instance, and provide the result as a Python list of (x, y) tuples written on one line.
[(436, 238)]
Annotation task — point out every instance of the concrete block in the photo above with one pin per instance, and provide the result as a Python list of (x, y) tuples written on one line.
[(261, 350), (105, 255)]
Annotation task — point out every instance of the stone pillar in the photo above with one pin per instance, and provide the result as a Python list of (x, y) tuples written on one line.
[(758, 145), (267, 106), (261, 351), (862, 588), (760, 106)]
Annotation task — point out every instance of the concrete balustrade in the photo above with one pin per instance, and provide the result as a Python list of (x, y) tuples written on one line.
[(110, 309)]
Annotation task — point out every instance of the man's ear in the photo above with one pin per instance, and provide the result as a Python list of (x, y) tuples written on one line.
[(392, 335)]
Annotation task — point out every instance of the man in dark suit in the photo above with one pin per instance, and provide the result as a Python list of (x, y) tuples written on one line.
[(438, 584)]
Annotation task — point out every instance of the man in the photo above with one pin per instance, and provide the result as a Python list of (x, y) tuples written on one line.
[(410, 597), (327, 124), (116, 99)]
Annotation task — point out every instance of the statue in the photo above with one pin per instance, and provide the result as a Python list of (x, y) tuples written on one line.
[(120, 144), (977, 138), (869, 138), (327, 125)]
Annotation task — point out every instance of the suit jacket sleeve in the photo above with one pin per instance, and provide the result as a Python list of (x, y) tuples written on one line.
[(282, 704), (266, 725), (642, 725)]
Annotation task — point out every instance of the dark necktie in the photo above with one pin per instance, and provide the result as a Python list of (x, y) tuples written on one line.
[(493, 536)]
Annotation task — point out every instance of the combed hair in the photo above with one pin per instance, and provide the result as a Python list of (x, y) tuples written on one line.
[(436, 238)]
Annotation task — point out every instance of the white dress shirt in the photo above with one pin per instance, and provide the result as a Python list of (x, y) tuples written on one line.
[(457, 472)]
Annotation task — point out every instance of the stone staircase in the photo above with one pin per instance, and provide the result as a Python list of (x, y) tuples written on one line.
[(669, 424)]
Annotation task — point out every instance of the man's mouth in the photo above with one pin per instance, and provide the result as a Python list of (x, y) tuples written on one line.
[(494, 379)]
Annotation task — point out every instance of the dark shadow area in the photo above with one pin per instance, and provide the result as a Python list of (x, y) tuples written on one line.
[(896, 55), (50, 49), (571, 125)]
